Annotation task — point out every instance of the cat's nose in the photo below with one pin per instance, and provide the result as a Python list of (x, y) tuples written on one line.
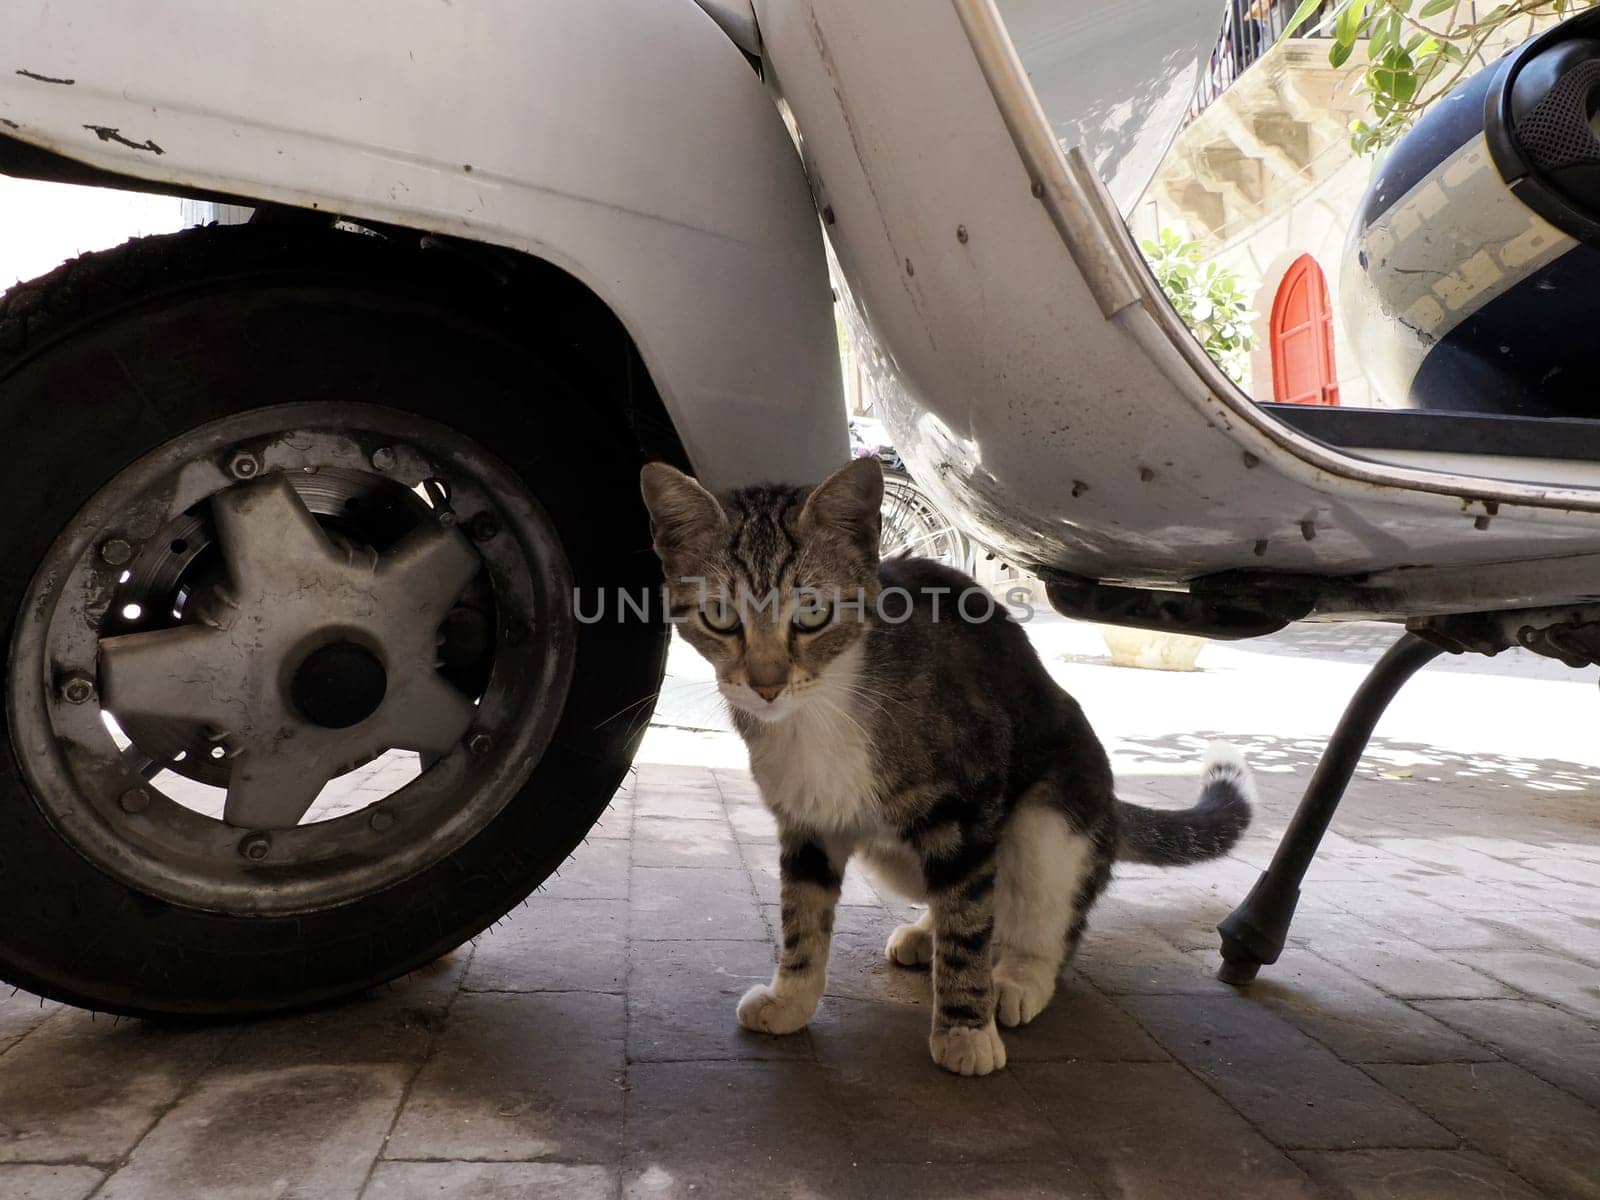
[(768, 691)]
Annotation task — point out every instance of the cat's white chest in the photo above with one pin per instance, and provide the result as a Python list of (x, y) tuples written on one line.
[(817, 770)]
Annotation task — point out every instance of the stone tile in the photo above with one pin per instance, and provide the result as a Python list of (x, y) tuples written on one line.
[(1151, 1131), (307, 1131), (1327, 867), (1135, 961), (1549, 932), (1391, 963), (1579, 900), (1200, 896), (489, 1181), (1183, 929), (1573, 985), (1412, 1175), (736, 786), (384, 1027), (682, 998), (711, 1119), (1569, 849), (1346, 849), (1570, 870), (684, 804), (1508, 848), (1454, 891), (752, 823), (847, 1032), (520, 1076), (1291, 1088), (1545, 1135), (908, 1109), (1448, 856), (667, 842), (85, 1089), (649, 776), (1555, 1045), (1055, 1180), (1443, 930), (36, 1181), (554, 945), (1351, 1017), (857, 965), (616, 823), (597, 870), (684, 903), (1081, 1025), (865, 1181), (20, 1014)]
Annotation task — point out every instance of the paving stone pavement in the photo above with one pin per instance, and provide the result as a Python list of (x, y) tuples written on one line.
[(1433, 1030)]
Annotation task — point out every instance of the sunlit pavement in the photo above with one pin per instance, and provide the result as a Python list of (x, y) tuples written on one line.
[(1433, 1028)]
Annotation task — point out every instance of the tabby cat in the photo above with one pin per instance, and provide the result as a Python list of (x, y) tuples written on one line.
[(891, 719)]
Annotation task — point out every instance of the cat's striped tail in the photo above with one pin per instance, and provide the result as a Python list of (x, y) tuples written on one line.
[(1166, 838)]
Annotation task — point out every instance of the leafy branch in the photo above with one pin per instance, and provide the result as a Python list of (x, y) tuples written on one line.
[(1210, 298), (1413, 59)]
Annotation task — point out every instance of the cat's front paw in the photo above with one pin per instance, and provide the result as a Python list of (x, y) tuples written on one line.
[(968, 1049), (911, 945), (1021, 994), (767, 1010)]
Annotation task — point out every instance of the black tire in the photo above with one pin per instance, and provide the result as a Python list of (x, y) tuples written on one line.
[(116, 353)]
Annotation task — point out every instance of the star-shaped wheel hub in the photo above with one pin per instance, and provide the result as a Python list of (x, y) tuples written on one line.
[(317, 657)]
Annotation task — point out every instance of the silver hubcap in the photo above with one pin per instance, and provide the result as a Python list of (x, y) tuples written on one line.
[(914, 526), (262, 606)]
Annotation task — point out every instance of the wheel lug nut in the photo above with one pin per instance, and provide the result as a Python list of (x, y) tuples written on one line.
[(381, 821), (77, 688), (134, 800), (384, 458), (480, 743), (483, 527), (255, 846), (116, 551), (244, 465)]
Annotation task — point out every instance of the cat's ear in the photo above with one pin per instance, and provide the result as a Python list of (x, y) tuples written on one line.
[(849, 502), (685, 520)]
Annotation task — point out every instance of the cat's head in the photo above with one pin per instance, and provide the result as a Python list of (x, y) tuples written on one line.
[(771, 584)]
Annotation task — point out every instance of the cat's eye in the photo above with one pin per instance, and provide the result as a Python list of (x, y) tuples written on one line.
[(812, 612), (719, 615)]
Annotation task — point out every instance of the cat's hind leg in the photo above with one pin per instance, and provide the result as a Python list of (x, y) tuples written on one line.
[(911, 945), (896, 868), (1045, 881)]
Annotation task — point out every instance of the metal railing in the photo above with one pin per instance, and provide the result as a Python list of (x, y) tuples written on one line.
[(1249, 29)]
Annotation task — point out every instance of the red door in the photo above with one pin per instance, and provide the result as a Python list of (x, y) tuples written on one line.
[(1302, 337)]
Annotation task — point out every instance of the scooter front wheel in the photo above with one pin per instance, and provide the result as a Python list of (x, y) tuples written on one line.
[(296, 694)]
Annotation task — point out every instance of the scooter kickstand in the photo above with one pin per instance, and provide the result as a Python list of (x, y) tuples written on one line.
[(1253, 934)]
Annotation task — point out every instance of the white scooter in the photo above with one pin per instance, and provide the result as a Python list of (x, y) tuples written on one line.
[(300, 494)]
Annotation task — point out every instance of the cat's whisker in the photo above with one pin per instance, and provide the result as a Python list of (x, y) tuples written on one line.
[(627, 708)]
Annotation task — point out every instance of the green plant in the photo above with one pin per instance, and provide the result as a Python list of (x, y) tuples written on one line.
[(1413, 59), (1209, 297)]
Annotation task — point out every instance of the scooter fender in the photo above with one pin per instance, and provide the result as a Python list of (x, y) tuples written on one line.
[(629, 143)]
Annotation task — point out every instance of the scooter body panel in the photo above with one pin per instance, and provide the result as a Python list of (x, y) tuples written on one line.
[(1041, 388)]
